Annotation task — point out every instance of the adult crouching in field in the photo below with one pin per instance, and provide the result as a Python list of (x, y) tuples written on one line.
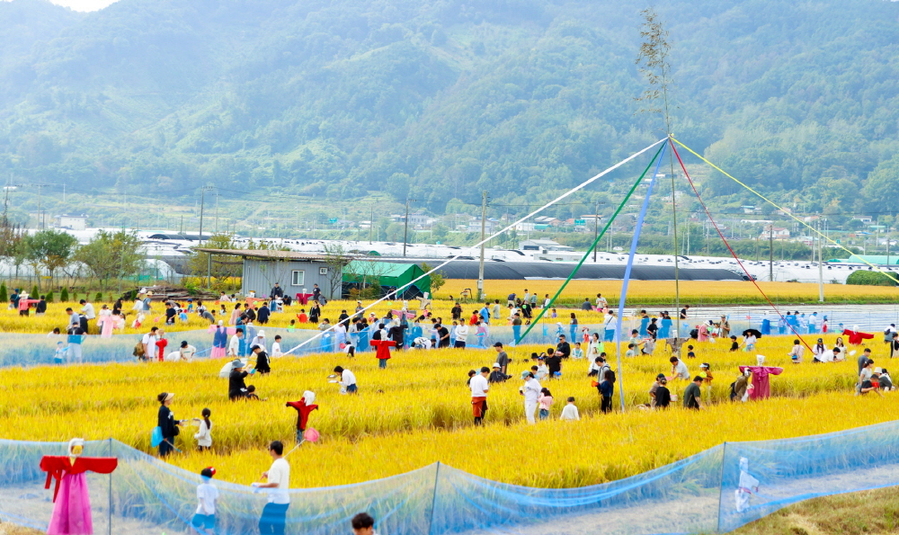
[(167, 423), (237, 387)]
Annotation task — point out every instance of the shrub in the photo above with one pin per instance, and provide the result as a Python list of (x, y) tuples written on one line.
[(871, 278), (49, 298), (4, 295), (98, 297), (64, 295), (35, 291)]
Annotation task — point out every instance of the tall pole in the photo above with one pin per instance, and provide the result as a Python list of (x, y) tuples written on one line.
[(483, 234), (595, 229), (820, 266), (202, 206), (406, 228), (771, 252), (371, 224)]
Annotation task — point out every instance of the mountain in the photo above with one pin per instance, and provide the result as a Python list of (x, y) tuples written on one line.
[(443, 99)]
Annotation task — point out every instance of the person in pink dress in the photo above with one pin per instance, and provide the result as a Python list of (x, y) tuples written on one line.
[(71, 501), (106, 322), (703, 330)]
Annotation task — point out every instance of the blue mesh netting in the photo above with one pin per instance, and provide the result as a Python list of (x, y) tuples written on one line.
[(37, 349), (699, 494)]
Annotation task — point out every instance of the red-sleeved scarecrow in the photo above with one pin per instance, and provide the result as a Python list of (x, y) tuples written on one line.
[(383, 351), (304, 407), (71, 501)]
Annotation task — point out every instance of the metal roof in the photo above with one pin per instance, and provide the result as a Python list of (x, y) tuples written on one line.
[(266, 254)]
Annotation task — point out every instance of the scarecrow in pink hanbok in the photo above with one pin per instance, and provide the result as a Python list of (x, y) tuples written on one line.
[(71, 501)]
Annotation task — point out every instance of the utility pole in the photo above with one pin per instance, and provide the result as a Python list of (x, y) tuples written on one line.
[(595, 229), (483, 234), (406, 227), (821, 264), (203, 191), (771, 252)]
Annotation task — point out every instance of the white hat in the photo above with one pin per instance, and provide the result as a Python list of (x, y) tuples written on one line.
[(260, 333), (496, 365)]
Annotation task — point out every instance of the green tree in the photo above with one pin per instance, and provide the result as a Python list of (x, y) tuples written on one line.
[(111, 255), (221, 266), (50, 249), (437, 280)]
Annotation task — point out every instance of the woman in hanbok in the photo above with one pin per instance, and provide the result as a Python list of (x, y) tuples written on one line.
[(106, 322), (703, 331)]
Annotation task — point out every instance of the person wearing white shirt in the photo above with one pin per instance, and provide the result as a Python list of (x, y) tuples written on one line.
[(87, 309), (610, 324), (531, 391), (274, 514), (820, 352), (678, 369), (234, 344), (347, 380), (570, 411), (601, 303), (479, 386), (461, 336), (204, 518), (149, 342), (276, 347)]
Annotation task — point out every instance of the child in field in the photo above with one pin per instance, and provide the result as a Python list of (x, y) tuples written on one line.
[(705, 371), (292, 327), (577, 352), (544, 402), (207, 494), (204, 434), (276, 347), (631, 350), (570, 412), (690, 353), (796, 353), (59, 356), (734, 345)]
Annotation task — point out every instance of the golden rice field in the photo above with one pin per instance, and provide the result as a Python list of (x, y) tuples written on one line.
[(10, 321), (418, 412), (691, 292)]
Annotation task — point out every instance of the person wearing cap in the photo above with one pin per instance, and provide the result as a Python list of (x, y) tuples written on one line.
[(237, 387), (167, 423), (531, 391), (497, 375), (502, 358), (262, 360), (654, 388), (479, 387), (693, 394), (258, 340), (204, 517)]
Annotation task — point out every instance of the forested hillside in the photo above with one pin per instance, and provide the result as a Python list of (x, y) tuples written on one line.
[(444, 98)]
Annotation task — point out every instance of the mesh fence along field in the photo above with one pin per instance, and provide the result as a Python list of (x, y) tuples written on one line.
[(418, 411)]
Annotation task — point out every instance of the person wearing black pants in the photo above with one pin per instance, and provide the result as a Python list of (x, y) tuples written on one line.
[(167, 423)]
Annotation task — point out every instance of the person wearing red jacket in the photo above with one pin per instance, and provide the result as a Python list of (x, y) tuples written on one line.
[(303, 407)]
